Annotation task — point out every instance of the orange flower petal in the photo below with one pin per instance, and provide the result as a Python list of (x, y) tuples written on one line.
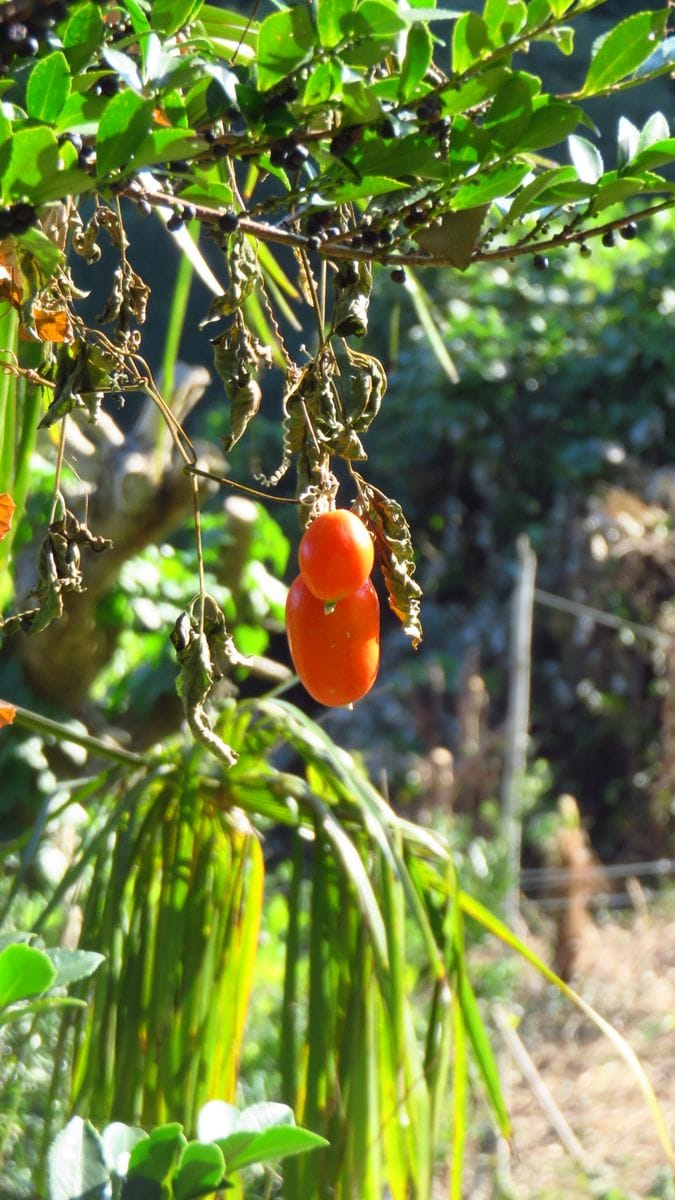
[(7, 713), (7, 507)]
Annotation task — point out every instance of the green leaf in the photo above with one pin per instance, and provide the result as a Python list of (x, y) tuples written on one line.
[(284, 41), (77, 1168), (156, 1156), (551, 123), (201, 1169), (527, 199), (324, 84), (469, 42), (655, 129), (510, 113), (118, 1142), (273, 1144), (168, 16), (34, 157), (138, 18), (627, 140), (124, 124), (83, 35), (125, 67), (586, 158), (73, 965), (656, 155), (493, 185), (504, 19), (329, 17), (24, 972), (416, 61), (480, 1044), (624, 48), (611, 190), (474, 91), (48, 87)]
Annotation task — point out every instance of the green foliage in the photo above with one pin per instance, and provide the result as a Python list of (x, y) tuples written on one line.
[(125, 1162), (343, 136)]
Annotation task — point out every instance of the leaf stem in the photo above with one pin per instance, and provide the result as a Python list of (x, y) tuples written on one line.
[(27, 719)]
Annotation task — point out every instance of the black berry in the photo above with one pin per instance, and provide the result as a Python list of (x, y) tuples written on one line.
[(608, 239), (398, 275), (189, 212), (174, 222), (313, 242), (629, 231), (228, 222), (540, 262)]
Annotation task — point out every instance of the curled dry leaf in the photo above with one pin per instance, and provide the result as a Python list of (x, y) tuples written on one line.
[(203, 656), (353, 285), (52, 325), (7, 713), (394, 548), (7, 510)]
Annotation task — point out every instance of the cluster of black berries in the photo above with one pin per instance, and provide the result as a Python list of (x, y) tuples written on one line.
[(20, 35), (16, 219)]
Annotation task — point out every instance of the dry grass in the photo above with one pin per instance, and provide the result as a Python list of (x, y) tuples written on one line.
[(627, 972)]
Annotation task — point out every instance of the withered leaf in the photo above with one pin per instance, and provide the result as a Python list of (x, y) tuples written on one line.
[(199, 655), (453, 235), (7, 713), (353, 285), (395, 551), (238, 356)]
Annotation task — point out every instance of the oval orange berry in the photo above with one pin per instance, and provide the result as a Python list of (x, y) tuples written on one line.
[(336, 554), (336, 653)]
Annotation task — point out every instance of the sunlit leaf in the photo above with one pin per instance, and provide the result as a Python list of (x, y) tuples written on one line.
[(52, 325), (624, 48), (7, 713)]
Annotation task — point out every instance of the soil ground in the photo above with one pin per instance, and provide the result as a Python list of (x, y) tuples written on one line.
[(626, 970)]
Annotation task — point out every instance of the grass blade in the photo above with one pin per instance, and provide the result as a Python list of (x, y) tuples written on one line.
[(475, 910)]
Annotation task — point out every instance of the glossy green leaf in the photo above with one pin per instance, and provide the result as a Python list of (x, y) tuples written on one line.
[(504, 19), (83, 35), (586, 158), (139, 20), (271, 1145), (655, 129), (24, 972), (156, 1156), (168, 16), (34, 156), (124, 67), (284, 41), (329, 18), (48, 87), (470, 41), (200, 1169), (656, 155), (624, 48), (124, 124), (416, 60), (76, 1165)]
